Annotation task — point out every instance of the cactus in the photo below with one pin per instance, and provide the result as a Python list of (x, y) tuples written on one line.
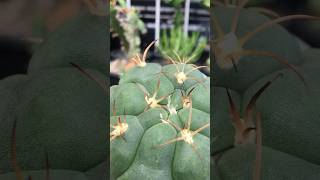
[(271, 133), (81, 40), (293, 106), (159, 128), (237, 164), (51, 109), (283, 106), (126, 23), (243, 55)]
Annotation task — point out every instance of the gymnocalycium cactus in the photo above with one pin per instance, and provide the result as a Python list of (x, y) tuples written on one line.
[(272, 132), (55, 117), (159, 126)]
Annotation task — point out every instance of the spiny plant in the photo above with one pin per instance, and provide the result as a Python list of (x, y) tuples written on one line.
[(289, 114), (247, 129), (245, 126), (283, 147), (174, 40), (43, 124), (127, 25), (81, 40), (286, 113), (46, 173), (288, 150), (158, 128), (53, 111), (237, 47)]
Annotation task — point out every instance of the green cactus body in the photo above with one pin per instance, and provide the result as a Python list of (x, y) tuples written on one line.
[(10, 91), (54, 175), (82, 40), (56, 112), (266, 124), (58, 119), (152, 108), (58, 174), (250, 68), (290, 114), (237, 164), (289, 124)]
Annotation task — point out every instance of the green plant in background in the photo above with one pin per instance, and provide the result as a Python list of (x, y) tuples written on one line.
[(178, 14), (206, 3), (174, 41), (126, 23), (55, 118), (284, 146), (159, 128)]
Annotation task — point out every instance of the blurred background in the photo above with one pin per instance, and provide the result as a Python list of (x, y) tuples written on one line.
[(25, 23), (134, 24), (180, 28), (308, 31)]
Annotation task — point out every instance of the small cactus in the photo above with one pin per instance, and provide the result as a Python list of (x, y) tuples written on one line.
[(159, 128)]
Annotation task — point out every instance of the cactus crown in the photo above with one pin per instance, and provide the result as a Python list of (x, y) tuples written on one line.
[(159, 105), (162, 112)]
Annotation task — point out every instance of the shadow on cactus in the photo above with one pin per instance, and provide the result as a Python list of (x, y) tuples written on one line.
[(156, 131)]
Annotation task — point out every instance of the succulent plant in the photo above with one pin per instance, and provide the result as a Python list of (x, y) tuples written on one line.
[(81, 40), (126, 23), (174, 41), (52, 115), (206, 3), (271, 133), (159, 128), (247, 50)]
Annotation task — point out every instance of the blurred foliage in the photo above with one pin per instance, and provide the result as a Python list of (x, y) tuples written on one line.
[(127, 25), (174, 3), (206, 3), (178, 15), (174, 41)]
